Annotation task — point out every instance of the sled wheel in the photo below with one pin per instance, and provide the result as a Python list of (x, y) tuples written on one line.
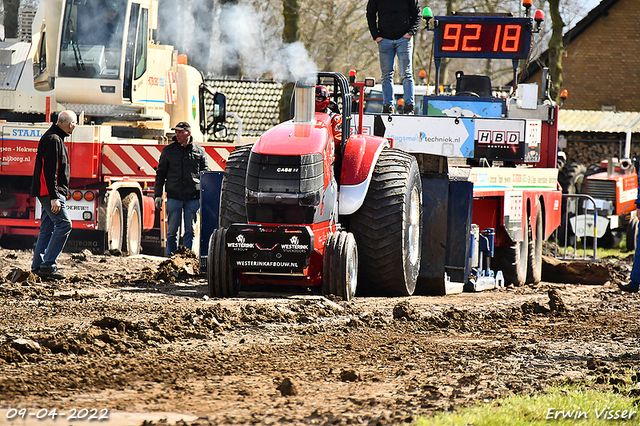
[(232, 204), (534, 267), (132, 224), (220, 276), (512, 260), (326, 264), (347, 274), (388, 226), (114, 221), (632, 233)]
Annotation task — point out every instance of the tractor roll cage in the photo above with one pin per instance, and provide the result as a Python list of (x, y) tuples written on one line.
[(340, 82)]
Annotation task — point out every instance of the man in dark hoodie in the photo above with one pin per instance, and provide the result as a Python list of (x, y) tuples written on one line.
[(50, 183), (178, 172), (392, 24)]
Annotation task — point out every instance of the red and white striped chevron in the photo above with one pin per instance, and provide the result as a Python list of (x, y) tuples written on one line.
[(141, 160)]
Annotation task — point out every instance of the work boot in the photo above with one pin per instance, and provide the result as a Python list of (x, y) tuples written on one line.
[(387, 109), (629, 288), (408, 109), (52, 273)]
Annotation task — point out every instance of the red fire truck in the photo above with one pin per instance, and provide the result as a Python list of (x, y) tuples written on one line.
[(128, 93)]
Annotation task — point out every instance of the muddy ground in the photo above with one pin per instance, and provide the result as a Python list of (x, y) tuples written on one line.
[(137, 340)]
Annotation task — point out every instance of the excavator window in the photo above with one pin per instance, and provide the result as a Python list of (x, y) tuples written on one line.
[(92, 39), (141, 45)]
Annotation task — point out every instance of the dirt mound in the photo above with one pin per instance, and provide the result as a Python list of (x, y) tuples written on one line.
[(182, 265)]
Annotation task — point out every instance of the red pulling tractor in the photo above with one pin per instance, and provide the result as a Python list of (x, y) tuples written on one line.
[(461, 197), (299, 207)]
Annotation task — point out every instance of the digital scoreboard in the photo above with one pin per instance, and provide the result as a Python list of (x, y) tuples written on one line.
[(482, 37)]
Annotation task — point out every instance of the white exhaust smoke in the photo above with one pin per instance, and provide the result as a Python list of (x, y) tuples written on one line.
[(218, 38)]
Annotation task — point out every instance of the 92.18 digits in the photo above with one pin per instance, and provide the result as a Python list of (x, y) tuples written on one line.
[(74, 414), (481, 38)]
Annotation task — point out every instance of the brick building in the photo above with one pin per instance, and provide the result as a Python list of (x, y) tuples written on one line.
[(601, 65)]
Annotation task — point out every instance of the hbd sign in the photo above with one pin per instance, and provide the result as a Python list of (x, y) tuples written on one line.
[(499, 139), (491, 137)]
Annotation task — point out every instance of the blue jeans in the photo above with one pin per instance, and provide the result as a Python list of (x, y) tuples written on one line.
[(174, 216), (54, 231), (388, 49), (635, 269)]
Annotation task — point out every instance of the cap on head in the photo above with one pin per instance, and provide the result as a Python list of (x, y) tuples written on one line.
[(183, 125), (111, 5)]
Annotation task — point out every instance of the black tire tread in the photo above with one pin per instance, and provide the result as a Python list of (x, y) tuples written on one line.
[(379, 223), (232, 202)]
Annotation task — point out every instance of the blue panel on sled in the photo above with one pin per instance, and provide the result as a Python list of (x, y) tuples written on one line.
[(210, 188), (454, 106)]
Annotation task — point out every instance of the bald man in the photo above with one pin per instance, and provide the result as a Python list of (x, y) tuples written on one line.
[(50, 183)]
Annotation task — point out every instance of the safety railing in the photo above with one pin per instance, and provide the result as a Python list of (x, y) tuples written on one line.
[(576, 226)]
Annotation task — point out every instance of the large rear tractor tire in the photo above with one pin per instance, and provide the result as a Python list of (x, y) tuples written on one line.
[(132, 224), (220, 276), (512, 260), (232, 205), (388, 226), (340, 266), (114, 221), (534, 267)]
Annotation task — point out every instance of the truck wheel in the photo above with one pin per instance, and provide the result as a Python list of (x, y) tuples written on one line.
[(220, 276), (132, 224), (340, 266), (114, 221), (534, 267), (512, 260), (388, 226), (232, 205), (632, 233)]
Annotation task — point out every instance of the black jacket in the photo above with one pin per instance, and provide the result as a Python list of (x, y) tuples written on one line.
[(52, 165), (179, 170), (391, 19)]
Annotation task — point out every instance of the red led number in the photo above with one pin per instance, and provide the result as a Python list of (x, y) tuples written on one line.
[(477, 29), (452, 35), (506, 39), (511, 40)]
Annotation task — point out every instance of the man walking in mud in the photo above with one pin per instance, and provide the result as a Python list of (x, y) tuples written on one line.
[(50, 183), (178, 172)]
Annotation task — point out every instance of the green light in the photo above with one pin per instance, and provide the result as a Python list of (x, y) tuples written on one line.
[(426, 13)]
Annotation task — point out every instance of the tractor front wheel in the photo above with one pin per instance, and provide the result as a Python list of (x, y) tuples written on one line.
[(340, 266), (220, 276)]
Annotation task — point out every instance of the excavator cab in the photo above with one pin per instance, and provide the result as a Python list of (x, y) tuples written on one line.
[(92, 39)]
